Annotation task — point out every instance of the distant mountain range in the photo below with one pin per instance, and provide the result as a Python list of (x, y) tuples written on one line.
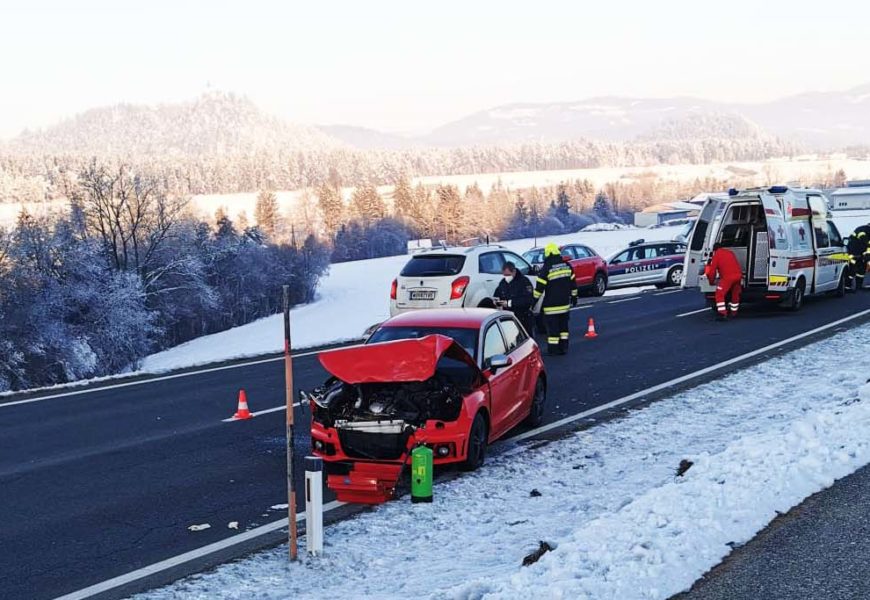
[(222, 124), (822, 120)]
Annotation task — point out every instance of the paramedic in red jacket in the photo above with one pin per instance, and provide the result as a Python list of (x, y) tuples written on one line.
[(725, 265)]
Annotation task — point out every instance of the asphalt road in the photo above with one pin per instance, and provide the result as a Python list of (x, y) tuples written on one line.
[(819, 550), (98, 484)]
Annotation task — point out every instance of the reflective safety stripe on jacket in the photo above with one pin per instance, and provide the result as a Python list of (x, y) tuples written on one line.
[(556, 283)]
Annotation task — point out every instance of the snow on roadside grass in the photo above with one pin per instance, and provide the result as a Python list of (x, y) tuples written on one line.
[(352, 297), (622, 524)]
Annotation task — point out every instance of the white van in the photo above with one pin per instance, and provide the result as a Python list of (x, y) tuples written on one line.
[(784, 238)]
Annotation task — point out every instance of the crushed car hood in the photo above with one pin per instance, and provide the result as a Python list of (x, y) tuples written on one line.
[(398, 361)]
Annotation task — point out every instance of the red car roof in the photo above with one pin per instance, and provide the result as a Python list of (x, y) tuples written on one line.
[(463, 318), (398, 361)]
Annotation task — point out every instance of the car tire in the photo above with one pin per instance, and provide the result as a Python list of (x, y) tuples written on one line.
[(477, 441), (675, 276), (539, 403), (840, 292), (797, 296), (599, 284)]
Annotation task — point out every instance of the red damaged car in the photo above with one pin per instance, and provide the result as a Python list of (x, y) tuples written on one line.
[(452, 379)]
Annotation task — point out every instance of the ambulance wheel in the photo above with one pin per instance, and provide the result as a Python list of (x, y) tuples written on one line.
[(536, 412), (675, 276), (477, 439), (840, 292), (797, 296)]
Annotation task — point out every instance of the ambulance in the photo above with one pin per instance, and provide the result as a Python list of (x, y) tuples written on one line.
[(784, 238)]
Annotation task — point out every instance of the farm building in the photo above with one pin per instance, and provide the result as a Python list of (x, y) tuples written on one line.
[(667, 211), (856, 195)]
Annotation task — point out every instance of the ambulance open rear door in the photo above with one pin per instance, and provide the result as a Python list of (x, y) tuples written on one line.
[(700, 246)]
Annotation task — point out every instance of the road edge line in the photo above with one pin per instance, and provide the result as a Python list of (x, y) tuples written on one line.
[(684, 378), (168, 563)]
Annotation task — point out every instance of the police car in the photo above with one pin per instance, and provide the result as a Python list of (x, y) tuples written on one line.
[(647, 263)]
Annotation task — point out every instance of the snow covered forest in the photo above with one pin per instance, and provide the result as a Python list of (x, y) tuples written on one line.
[(127, 271), (221, 143)]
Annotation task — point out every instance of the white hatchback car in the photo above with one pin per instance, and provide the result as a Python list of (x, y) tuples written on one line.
[(453, 278)]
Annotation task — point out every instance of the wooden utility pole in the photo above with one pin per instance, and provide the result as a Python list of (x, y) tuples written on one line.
[(288, 383)]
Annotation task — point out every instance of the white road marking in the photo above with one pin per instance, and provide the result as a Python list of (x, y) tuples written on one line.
[(685, 378), (624, 300), (581, 307), (170, 563), (693, 312), (667, 292), (148, 380), (262, 412)]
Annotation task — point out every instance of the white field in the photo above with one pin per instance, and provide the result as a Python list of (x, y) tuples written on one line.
[(782, 170)]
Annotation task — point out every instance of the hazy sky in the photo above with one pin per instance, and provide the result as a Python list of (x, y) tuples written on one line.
[(410, 65)]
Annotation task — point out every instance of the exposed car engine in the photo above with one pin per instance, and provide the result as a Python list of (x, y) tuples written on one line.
[(410, 402)]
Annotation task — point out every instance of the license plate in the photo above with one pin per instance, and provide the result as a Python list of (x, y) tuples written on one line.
[(422, 294)]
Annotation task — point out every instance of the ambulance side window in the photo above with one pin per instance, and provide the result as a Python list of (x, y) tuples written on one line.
[(834, 235), (822, 240)]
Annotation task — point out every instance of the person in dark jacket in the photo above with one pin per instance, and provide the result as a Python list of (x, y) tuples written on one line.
[(859, 252), (557, 285), (514, 293)]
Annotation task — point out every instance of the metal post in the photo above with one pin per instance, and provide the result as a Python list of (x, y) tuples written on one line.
[(314, 505), (288, 383)]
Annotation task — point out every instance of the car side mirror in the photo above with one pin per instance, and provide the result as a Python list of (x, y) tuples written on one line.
[(615, 261), (499, 361)]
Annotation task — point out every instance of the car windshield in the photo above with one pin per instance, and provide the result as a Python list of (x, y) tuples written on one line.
[(432, 265), (467, 338), (534, 256)]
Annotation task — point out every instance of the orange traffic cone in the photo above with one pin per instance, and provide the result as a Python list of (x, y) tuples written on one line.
[(242, 412), (590, 330)]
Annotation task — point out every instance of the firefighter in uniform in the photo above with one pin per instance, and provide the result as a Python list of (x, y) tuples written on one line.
[(859, 253), (514, 293), (726, 265), (557, 285)]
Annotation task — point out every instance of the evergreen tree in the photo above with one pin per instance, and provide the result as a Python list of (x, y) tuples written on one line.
[(449, 211), (266, 213), (367, 204), (601, 207), (403, 198), (331, 208)]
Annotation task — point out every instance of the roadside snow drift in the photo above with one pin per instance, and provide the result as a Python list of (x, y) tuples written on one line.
[(622, 524)]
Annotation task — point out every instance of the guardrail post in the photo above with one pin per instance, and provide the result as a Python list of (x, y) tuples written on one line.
[(314, 505)]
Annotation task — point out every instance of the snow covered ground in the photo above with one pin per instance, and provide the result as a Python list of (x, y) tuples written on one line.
[(622, 524), (352, 297)]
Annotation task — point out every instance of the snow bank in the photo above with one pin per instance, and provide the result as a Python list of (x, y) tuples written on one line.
[(352, 297), (622, 524)]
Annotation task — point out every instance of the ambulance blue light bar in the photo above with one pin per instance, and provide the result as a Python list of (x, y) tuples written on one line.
[(778, 189), (732, 192)]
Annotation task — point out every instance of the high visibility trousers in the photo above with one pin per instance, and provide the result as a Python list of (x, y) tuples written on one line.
[(557, 332), (730, 290)]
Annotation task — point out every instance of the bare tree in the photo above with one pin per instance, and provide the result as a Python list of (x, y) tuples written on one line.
[(132, 215)]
